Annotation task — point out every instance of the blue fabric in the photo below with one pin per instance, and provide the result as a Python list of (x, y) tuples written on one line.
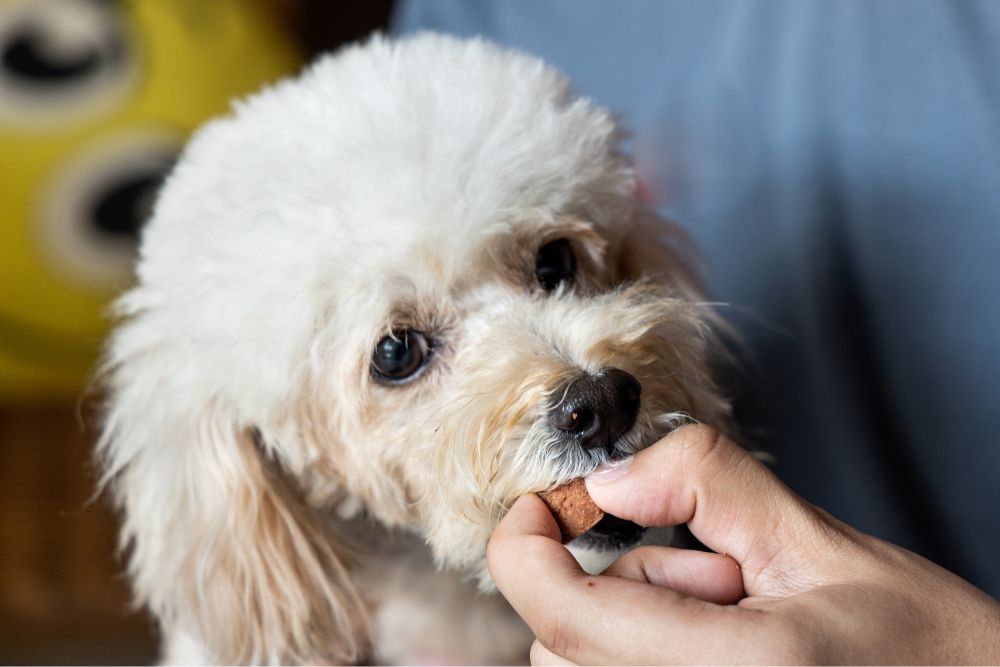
[(839, 166)]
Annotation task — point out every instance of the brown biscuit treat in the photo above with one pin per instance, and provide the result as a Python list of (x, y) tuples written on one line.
[(574, 511)]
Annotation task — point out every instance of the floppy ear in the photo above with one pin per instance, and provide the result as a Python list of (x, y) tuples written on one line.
[(222, 549), (656, 248)]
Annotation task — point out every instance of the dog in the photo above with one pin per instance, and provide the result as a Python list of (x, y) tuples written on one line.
[(374, 306)]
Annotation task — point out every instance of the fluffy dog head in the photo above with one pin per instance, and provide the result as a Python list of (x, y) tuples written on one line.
[(378, 284)]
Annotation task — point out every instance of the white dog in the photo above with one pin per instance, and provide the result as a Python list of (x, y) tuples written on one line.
[(376, 305)]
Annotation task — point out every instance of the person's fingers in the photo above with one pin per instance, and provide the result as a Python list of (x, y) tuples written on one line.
[(730, 501), (529, 533), (539, 655), (587, 618), (706, 576)]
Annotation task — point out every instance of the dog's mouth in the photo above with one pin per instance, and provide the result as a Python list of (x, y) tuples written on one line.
[(611, 534)]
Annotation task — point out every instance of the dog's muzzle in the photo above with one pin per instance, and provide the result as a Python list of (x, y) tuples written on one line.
[(596, 410)]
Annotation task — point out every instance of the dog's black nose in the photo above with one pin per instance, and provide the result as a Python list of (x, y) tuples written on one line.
[(597, 409)]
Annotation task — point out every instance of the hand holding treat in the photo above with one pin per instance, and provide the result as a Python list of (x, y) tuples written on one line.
[(795, 585)]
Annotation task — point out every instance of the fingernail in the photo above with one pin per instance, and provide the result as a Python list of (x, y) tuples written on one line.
[(609, 472)]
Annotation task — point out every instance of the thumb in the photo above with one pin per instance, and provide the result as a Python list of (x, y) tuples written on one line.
[(730, 501)]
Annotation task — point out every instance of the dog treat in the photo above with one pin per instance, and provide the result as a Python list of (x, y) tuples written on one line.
[(574, 511)]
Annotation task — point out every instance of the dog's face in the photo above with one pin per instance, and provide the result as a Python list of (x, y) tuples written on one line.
[(413, 281), (519, 356)]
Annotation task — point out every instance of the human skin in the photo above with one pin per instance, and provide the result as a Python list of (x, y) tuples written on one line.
[(787, 582)]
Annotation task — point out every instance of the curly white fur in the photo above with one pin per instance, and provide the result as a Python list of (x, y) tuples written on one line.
[(392, 185)]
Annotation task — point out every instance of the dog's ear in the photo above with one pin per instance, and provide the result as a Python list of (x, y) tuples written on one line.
[(220, 546), (656, 248)]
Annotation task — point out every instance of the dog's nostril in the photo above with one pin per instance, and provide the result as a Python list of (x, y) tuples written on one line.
[(575, 419), (596, 410)]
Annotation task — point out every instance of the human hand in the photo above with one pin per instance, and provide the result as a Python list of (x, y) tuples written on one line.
[(795, 584)]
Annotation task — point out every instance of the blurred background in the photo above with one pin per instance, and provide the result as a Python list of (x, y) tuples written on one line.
[(96, 99)]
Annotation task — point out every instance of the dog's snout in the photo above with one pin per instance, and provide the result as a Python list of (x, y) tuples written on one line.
[(597, 409)]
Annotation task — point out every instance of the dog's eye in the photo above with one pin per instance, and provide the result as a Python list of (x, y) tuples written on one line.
[(555, 264), (399, 356)]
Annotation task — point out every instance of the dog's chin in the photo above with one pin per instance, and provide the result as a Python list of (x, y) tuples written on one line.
[(611, 534)]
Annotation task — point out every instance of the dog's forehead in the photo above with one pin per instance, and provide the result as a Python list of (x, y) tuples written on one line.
[(403, 139), (450, 245), (433, 267)]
